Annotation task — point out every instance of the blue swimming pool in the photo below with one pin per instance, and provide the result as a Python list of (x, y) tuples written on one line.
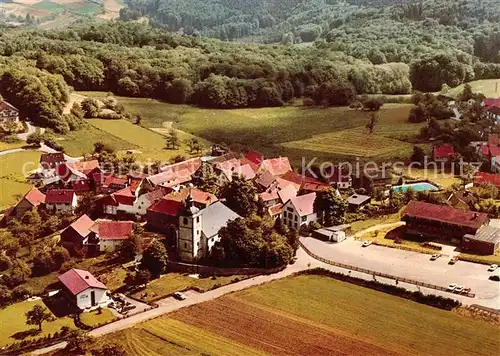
[(416, 187)]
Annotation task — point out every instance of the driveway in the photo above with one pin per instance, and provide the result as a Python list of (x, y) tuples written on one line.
[(414, 266), (31, 129)]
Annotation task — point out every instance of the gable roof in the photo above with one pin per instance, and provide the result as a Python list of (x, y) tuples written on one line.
[(167, 207), (57, 157), (445, 214), (443, 151), (215, 217), (287, 193), (66, 170), (254, 157), (35, 197), (304, 204), (113, 230), (114, 180), (487, 178), (197, 195), (5, 105), (154, 195), (80, 186), (124, 196), (87, 167), (358, 199), (82, 225), (490, 102), (77, 281), (269, 195), (276, 166), (265, 179), (59, 196)]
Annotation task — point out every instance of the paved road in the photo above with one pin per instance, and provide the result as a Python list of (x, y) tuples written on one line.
[(414, 266), (31, 129)]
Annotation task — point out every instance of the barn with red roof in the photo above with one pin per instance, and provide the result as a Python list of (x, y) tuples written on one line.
[(84, 289)]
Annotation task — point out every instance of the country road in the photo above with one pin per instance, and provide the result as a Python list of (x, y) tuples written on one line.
[(303, 262)]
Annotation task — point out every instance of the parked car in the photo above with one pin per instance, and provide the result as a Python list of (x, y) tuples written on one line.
[(492, 267), (453, 260), (179, 296), (435, 256), (495, 277), (451, 287), (366, 243), (458, 289)]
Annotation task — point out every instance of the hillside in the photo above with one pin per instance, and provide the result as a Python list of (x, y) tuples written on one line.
[(56, 13)]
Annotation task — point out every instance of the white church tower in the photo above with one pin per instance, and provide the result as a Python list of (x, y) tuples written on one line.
[(190, 241)]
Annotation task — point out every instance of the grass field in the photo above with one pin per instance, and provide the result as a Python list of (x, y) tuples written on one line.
[(174, 282), (13, 322), (12, 178), (311, 315), (444, 179), (78, 143), (489, 87), (295, 131)]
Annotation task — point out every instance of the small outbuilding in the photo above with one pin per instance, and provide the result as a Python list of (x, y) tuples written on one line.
[(486, 241), (84, 289), (357, 201)]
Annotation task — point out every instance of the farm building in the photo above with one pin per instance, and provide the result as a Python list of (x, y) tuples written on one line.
[(332, 234), (74, 236), (33, 199), (443, 153), (199, 229), (61, 200), (441, 221), (485, 242), (357, 201), (84, 289), (50, 161), (110, 235)]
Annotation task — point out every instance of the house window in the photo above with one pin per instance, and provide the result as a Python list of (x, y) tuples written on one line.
[(296, 218), (198, 219), (285, 215), (290, 209), (185, 245), (304, 218), (185, 221)]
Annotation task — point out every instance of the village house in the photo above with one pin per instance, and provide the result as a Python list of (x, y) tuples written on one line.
[(492, 107), (226, 170), (199, 229), (174, 175), (165, 212), (113, 184), (77, 172), (32, 199), (61, 200), (265, 181), (276, 166), (462, 199), (110, 235), (443, 153), (131, 201), (84, 289), (490, 150), (299, 211), (339, 177), (74, 236), (486, 178), (8, 113), (441, 221), (50, 161)]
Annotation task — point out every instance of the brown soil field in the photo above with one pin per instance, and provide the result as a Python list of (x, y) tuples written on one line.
[(112, 5), (66, 2), (23, 10), (272, 332)]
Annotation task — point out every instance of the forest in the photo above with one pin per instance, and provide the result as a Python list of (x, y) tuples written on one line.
[(362, 47)]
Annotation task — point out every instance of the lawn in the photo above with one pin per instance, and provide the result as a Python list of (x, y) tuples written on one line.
[(309, 314), (4, 146), (174, 282), (12, 321), (487, 260), (444, 179), (13, 169), (296, 131), (379, 237), (93, 318), (489, 87), (360, 225), (78, 143), (150, 144), (49, 5)]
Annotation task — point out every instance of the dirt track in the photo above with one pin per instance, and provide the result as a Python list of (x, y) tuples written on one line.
[(272, 332)]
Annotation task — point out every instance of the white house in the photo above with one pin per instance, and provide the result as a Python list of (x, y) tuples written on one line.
[(61, 200), (131, 202), (299, 211), (8, 113), (84, 289), (110, 235), (199, 229)]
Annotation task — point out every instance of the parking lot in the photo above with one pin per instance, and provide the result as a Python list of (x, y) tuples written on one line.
[(412, 265)]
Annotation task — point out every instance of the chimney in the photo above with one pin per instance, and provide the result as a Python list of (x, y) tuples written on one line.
[(87, 277)]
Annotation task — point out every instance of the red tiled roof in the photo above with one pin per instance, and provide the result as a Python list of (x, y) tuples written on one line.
[(276, 166), (315, 187), (443, 151), (87, 167), (109, 200), (99, 177), (57, 157), (254, 157), (35, 197), (80, 186), (488, 103), (265, 179), (482, 177), (293, 177), (493, 140), (287, 193), (65, 170), (113, 230), (485, 150), (268, 196), (494, 151), (275, 209), (445, 214), (77, 281), (304, 204), (115, 180), (124, 196), (59, 196), (167, 207), (82, 225), (198, 196), (5, 105), (255, 167), (155, 195)]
